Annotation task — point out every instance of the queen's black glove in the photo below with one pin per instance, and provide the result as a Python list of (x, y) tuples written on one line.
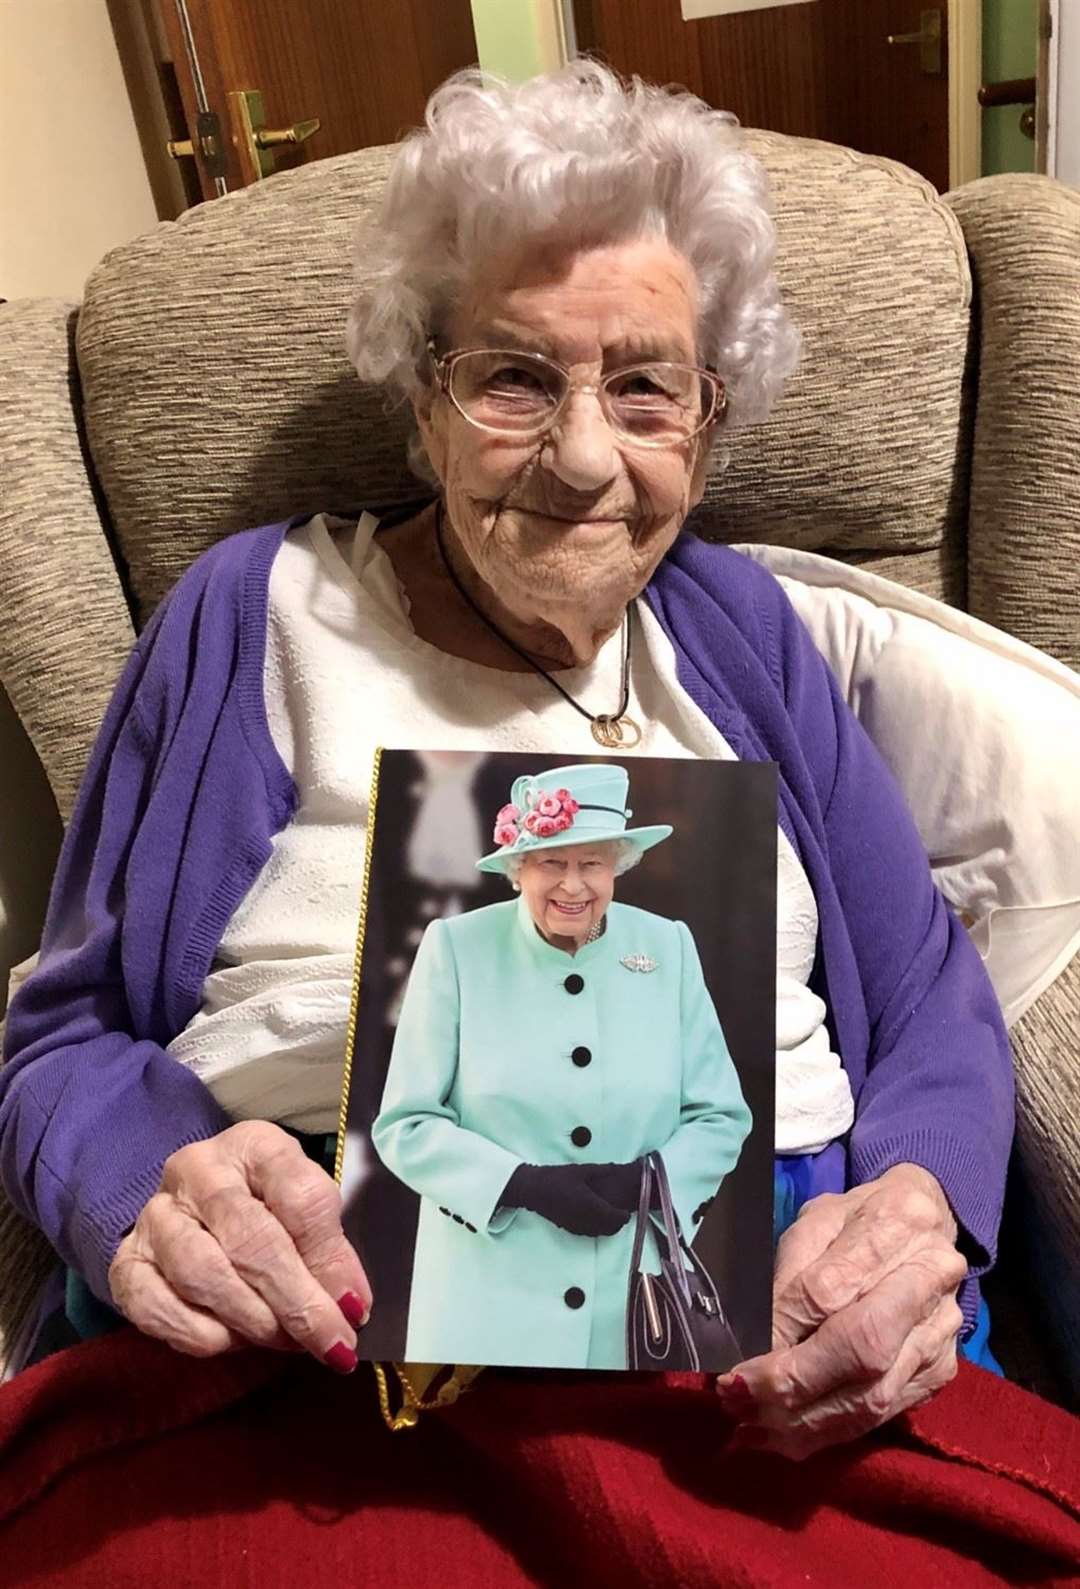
[(562, 1194), (620, 1184)]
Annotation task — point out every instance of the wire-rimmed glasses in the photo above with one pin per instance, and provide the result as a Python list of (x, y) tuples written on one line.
[(510, 393)]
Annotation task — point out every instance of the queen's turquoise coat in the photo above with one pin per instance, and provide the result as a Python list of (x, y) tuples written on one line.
[(496, 1063)]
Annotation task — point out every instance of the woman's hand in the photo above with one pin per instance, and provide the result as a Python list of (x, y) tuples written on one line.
[(620, 1184), (865, 1317), (561, 1193), (242, 1245)]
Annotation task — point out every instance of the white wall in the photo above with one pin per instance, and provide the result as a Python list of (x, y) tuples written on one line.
[(72, 180), (1067, 139)]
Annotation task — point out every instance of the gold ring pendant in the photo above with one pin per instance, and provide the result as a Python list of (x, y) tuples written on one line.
[(616, 733)]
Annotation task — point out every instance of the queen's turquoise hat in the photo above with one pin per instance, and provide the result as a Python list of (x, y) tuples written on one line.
[(568, 805)]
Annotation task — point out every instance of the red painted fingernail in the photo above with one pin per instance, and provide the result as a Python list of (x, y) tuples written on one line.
[(341, 1358), (353, 1308), (748, 1437), (737, 1395)]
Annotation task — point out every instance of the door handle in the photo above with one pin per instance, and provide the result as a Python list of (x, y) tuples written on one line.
[(928, 39), (1016, 91), (270, 138), (258, 141)]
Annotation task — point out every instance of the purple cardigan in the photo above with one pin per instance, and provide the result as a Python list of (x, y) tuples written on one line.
[(185, 789)]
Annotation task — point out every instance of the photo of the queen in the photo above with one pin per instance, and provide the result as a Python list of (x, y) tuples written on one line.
[(561, 1096)]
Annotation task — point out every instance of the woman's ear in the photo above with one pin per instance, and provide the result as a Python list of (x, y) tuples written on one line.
[(425, 386), (430, 421), (700, 469), (422, 399)]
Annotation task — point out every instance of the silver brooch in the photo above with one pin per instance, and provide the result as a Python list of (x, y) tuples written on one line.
[(638, 963)]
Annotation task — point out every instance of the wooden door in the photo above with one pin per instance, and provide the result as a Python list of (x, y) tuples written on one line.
[(824, 70), (362, 68)]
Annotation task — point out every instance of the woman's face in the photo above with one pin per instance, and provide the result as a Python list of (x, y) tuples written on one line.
[(575, 517), (568, 889)]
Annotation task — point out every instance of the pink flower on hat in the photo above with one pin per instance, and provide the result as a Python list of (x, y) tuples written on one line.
[(546, 815)]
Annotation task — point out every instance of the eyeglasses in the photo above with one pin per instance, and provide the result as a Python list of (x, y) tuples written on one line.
[(657, 404)]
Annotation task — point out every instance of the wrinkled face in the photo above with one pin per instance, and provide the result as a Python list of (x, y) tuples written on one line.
[(574, 516), (568, 889)]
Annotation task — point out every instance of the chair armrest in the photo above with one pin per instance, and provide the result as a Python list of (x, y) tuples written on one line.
[(26, 1261), (30, 835), (65, 629), (1023, 237), (1046, 1048)]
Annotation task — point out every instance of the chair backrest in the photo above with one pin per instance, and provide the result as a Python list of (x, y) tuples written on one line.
[(212, 392), (218, 394)]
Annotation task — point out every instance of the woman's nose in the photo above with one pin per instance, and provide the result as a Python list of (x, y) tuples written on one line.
[(573, 882), (580, 449)]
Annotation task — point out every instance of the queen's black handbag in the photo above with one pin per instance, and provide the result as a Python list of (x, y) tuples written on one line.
[(674, 1319)]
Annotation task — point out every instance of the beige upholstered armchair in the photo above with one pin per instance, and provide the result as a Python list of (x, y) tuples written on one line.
[(932, 433)]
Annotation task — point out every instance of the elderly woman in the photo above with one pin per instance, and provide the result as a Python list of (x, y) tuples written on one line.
[(575, 292), (525, 1238)]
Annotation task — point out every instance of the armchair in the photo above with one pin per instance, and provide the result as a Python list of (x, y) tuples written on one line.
[(932, 434)]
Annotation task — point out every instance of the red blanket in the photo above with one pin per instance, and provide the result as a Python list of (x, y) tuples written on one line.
[(124, 1464)]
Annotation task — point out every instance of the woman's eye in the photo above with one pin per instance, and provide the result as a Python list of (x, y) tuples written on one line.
[(656, 389), (639, 386), (511, 378)]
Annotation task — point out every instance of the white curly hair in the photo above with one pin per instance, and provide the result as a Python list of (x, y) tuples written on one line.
[(627, 855), (582, 157)]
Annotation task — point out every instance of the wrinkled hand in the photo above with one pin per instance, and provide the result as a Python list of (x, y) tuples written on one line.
[(242, 1244), (865, 1317)]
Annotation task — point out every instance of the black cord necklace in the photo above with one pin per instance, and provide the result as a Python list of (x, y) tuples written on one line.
[(612, 731)]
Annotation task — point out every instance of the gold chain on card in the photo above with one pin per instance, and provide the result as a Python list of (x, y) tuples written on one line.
[(354, 997), (412, 1403)]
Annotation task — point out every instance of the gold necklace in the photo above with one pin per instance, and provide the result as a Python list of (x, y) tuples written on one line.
[(614, 731)]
